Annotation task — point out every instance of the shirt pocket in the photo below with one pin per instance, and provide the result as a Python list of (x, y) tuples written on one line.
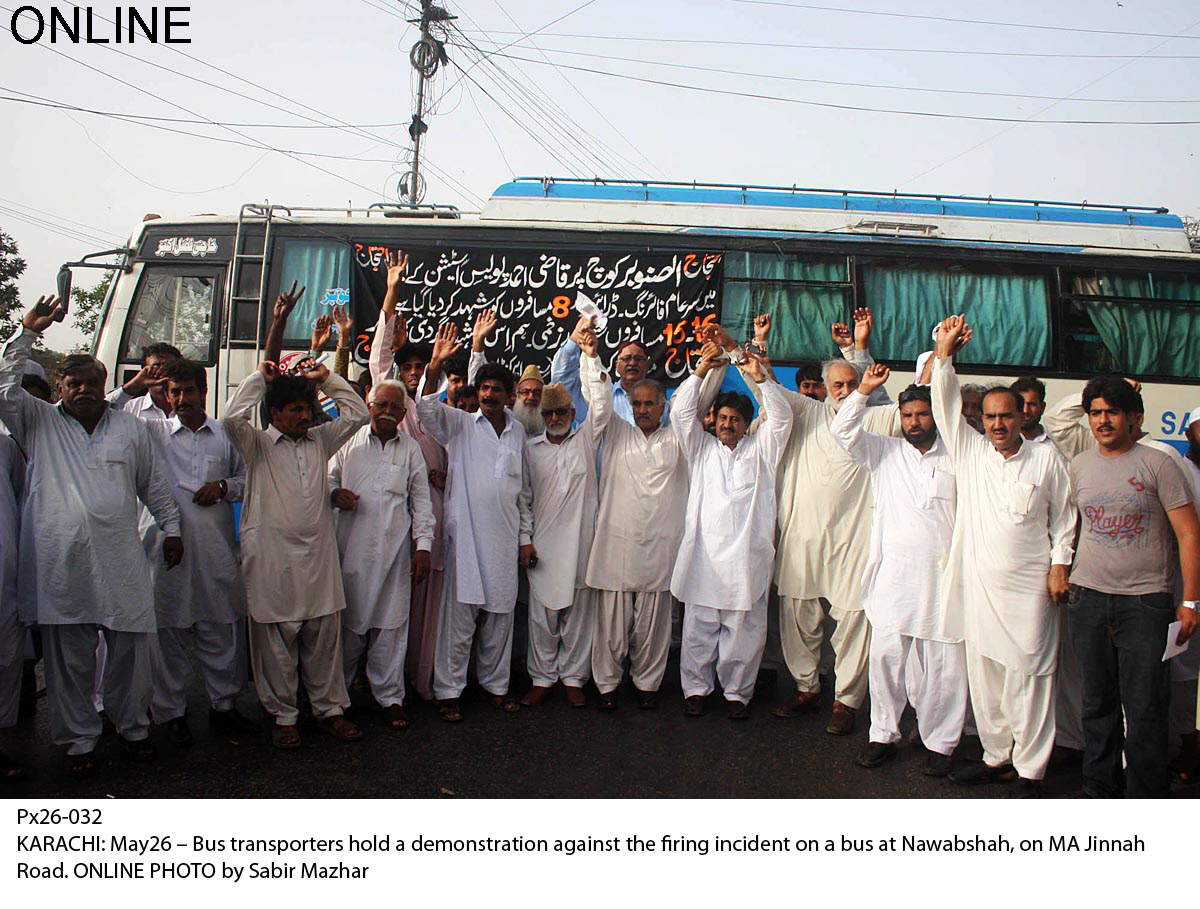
[(1020, 500), (213, 469), (395, 482), (508, 464), (941, 488), (744, 473)]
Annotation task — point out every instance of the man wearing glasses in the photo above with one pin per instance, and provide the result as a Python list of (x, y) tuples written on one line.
[(632, 364), (562, 476)]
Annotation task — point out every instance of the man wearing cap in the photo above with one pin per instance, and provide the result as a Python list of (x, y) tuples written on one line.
[(562, 475), (409, 361), (631, 365), (529, 397)]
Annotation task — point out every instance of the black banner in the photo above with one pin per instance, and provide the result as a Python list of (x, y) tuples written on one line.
[(658, 298)]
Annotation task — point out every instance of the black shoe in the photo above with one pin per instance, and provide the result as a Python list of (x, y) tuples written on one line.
[(937, 764), (232, 721), (876, 754), (977, 773), (1025, 789), (647, 700), (696, 705), (608, 700), (737, 710), (178, 733)]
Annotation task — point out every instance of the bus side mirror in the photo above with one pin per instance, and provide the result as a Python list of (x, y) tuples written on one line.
[(64, 291)]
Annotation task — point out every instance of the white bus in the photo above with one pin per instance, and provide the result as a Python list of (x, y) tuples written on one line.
[(1058, 290)]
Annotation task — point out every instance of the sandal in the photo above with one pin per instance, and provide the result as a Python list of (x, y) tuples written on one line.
[(396, 717), (339, 727), (504, 702), (450, 711), (140, 751), (81, 766), (285, 738), (11, 771)]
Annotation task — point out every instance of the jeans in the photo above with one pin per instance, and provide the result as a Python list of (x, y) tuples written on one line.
[(1119, 642)]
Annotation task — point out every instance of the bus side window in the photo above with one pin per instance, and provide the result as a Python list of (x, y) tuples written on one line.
[(175, 306)]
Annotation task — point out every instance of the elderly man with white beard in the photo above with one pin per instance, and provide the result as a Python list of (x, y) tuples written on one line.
[(562, 474), (378, 482), (824, 536), (723, 570)]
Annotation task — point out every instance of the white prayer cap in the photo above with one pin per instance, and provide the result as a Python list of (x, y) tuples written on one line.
[(1194, 416)]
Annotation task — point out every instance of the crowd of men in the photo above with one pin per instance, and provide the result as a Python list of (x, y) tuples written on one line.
[(944, 552)]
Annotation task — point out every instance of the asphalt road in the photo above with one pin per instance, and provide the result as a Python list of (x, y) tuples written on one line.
[(551, 751)]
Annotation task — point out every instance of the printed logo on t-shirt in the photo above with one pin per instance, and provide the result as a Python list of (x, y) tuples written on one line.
[(1113, 525)]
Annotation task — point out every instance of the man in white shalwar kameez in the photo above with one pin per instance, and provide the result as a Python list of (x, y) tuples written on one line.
[(83, 568), (199, 606), (145, 395), (639, 525), (294, 590), (562, 475), (488, 529), (824, 541), (912, 479), (1009, 558), (12, 632), (379, 485), (723, 570)]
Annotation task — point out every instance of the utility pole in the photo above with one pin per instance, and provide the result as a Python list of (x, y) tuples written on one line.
[(426, 56)]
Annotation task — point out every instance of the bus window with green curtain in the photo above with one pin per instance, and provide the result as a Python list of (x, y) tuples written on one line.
[(323, 268)]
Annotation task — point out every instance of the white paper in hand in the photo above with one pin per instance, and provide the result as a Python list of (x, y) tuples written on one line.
[(1174, 649), (586, 306)]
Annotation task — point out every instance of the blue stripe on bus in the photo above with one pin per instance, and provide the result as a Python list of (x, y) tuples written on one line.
[(945, 207)]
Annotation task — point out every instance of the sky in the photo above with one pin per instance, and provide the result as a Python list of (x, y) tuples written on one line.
[(551, 88)]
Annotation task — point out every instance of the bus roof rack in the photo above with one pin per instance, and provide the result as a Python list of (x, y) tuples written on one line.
[(387, 209), (548, 182)]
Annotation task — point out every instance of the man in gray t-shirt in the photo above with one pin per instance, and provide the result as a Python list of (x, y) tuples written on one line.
[(1134, 506)]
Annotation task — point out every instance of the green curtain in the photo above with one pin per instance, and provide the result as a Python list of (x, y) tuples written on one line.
[(776, 267), (800, 315), (1149, 340), (323, 268), (1010, 314)]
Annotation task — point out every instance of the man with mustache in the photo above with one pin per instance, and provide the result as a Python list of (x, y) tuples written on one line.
[(824, 535), (912, 481), (197, 605), (380, 488), (1135, 505), (723, 570), (562, 474), (1009, 557), (392, 352), (145, 395), (289, 550), (84, 569), (630, 365), (488, 530)]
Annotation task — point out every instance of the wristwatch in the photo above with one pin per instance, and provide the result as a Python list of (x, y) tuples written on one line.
[(1194, 605), (738, 357), (224, 488)]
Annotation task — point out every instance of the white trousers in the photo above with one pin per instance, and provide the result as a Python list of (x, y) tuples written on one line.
[(460, 625), (636, 624), (930, 675), (69, 657), (560, 641), (1014, 713), (801, 633), (219, 648), (722, 645), (386, 650), (284, 653), (1068, 691)]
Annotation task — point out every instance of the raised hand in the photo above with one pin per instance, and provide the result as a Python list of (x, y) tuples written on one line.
[(445, 344), (588, 342), (754, 366), (841, 334), (485, 324), (44, 313), (345, 325), (399, 332), (322, 332), (318, 374), (762, 327), (863, 323), (584, 324), (952, 336), (269, 370), (873, 377), (397, 267), (286, 302)]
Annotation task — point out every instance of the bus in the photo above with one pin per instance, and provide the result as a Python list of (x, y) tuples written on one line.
[(1063, 291)]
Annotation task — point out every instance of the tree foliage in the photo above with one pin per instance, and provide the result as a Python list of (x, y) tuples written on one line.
[(86, 305), (11, 268)]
